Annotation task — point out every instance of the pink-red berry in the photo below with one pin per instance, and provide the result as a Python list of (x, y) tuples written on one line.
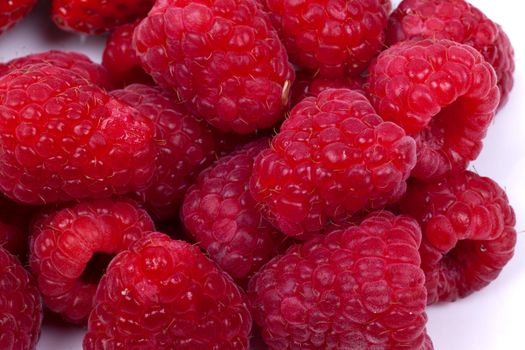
[(13, 11)]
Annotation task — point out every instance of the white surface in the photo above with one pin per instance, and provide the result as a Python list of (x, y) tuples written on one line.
[(489, 320)]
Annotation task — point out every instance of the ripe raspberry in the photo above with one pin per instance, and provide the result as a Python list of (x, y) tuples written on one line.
[(72, 61), (221, 215), (97, 16), (185, 146), (442, 92), (468, 233), (64, 138), (166, 294), (307, 85), (358, 288), (14, 227), (120, 58), (459, 21), (71, 247), (228, 64), (13, 11), (333, 157), (20, 306), (333, 38)]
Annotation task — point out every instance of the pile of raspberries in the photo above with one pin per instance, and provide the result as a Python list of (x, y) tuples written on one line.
[(305, 159)]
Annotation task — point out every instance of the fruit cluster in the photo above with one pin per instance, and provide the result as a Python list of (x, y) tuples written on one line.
[(307, 161)]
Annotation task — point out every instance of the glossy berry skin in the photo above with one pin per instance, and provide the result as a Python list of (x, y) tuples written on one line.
[(13, 11), (459, 21), (71, 247), (332, 38), (14, 227), (73, 61), (223, 218), (97, 16), (166, 294), (185, 146), (20, 306), (64, 138), (332, 157), (228, 63), (441, 92), (468, 233), (309, 85), (120, 58), (355, 288)]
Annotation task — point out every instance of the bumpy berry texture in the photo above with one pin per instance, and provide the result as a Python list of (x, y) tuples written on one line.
[(356, 288), (228, 63), (223, 218), (185, 146), (120, 58), (333, 38), (71, 247), (97, 16), (72, 61), (456, 20), (468, 233), (64, 138), (166, 294), (332, 157), (20, 306), (14, 227), (309, 85), (13, 11), (443, 93)]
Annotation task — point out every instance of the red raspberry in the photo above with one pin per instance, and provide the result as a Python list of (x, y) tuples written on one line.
[(72, 61), (71, 247), (14, 227), (228, 65), (64, 138), (468, 233), (306, 85), (13, 11), (120, 58), (333, 38), (185, 146), (333, 156), (220, 213), (97, 16), (166, 294), (440, 91), (20, 306), (358, 288), (459, 21)]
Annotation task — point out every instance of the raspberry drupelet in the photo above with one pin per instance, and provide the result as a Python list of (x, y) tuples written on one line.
[(441, 92), (13, 11), (332, 157), (223, 58), (468, 232), (356, 288), (166, 294)]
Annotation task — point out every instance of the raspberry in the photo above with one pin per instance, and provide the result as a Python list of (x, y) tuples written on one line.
[(13, 11), (459, 21), (185, 146), (228, 63), (71, 247), (443, 93), (64, 138), (220, 213), (333, 157), (97, 16), (468, 232), (166, 294), (14, 227), (357, 288), (72, 61), (333, 38), (120, 58), (307, 85), (20, 306)]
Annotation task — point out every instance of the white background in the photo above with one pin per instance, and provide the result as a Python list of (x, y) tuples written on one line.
[(492, 319)]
